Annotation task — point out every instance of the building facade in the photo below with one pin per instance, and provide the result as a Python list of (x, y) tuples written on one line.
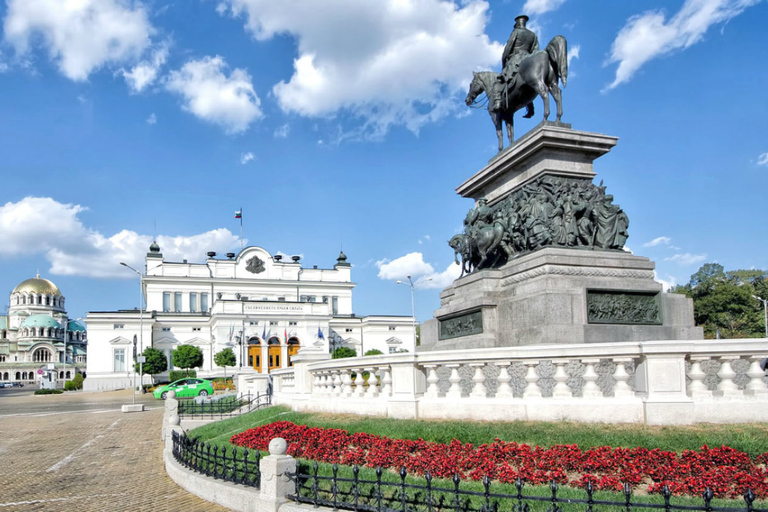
[(264, 308), (37, 337)]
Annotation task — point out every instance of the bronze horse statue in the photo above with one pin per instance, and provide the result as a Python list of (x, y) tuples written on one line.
[(474, 251), (538, 75)]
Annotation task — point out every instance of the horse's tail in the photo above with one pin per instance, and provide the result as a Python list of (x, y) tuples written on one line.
[(557, 49)]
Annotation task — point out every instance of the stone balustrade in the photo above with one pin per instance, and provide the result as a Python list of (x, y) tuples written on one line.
[(655, 382)]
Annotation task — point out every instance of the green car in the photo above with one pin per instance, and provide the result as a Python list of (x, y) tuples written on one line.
[(186, 388)]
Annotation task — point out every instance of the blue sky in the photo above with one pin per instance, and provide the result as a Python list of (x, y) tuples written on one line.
[(342, 123)]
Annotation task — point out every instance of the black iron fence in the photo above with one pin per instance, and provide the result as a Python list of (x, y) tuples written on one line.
[(225, 407), (408, 495), (217, 462)]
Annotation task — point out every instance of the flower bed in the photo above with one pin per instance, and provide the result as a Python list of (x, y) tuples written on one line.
[(727, 472)]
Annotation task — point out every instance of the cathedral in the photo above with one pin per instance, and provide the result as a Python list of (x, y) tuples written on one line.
[(37, 338)]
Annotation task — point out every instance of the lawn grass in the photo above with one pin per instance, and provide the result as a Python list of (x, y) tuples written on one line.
[(749, 438)]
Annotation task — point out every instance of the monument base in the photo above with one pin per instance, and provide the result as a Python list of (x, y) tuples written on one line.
[(559, 295)]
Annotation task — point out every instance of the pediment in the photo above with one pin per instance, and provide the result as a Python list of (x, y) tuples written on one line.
[(351, 341), (166, 340), (196, 341), (120, 340), (394, 341)]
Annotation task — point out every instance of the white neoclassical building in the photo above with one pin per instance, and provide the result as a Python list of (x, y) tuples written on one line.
[(37, 336), (261, 306)]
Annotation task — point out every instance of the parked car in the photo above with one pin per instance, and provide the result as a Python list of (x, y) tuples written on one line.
[(11, 385), (185, 388)]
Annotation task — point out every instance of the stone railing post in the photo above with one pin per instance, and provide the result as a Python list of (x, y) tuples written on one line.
[(275, 483), (407, 383), (171, 410)]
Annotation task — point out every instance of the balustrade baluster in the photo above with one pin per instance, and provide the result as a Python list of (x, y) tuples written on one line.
[(386, 381), (591, 389), (360, 383), (455, 390), (727, 387), (697, 388), (373, 384), (479, 390), (561, 389), (432, 379), (336, 383), (505, 389), (532, 390), (620, 375), (756, 385), (346, 382)]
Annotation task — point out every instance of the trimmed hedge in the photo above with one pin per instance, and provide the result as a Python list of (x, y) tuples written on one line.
[(48, 392)]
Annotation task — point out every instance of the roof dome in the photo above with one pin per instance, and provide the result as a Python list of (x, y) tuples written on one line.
[(37, 285), (40, 321), (154, 247), (74, 325)]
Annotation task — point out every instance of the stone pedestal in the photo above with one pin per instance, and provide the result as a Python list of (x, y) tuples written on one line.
[(558, 293)]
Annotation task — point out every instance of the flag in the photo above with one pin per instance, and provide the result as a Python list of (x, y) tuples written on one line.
[(239, 214), (264, 333), (285, 335), (231, 331), (320, 334)]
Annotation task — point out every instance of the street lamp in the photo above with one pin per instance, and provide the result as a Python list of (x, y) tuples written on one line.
[(413, 309), (141, 327), (765, 312)]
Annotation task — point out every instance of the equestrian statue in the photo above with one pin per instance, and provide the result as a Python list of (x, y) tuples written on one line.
[(527, 72)]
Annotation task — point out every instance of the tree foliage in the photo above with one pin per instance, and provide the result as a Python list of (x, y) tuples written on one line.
[(373, 352), (155, 362), (187, 356), (724, 303), (225, 358), (343, 352)]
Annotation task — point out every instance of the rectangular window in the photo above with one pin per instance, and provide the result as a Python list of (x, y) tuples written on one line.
[(118, 326), (193, 302), (195, 329), (177, 302), (393, 350), (303, 298), (293, 323), (119, 359), (273, 322), (281, 299), (335, 305), (312, 298), (391, 328), (166, 302), (166, 329), (204, 302), (348, 329)]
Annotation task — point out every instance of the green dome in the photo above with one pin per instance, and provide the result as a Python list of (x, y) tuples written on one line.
[(40, 321), (74, 325), (38, 285)]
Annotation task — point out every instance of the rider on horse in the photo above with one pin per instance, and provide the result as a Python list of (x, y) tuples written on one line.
[(522, 42)]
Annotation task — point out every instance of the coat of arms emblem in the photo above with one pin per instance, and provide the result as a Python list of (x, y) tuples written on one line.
[(255, 265)]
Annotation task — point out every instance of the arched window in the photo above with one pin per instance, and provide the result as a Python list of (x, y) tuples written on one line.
[(18, 375), (68, 375), (6, 376), (41, 355), (24, 376), (61, 375)]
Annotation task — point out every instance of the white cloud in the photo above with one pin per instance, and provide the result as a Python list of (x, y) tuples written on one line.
[(152, 119), (666, 284), (282, 131), (662, 240), (80, 36), (411, 264), (384, 61), (246, 157), (441, 280), (573, 53), (43, 225), (687, 258), (649, 35), (145, 72), (227, 101), (541, 6), (762, 159)]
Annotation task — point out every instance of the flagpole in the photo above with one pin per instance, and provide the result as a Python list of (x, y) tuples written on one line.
[(241, 228)]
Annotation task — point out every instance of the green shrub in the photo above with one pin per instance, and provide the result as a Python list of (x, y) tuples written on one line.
[(175, 375), (374, 352), (49, 391), (74, 384), (343, 352)]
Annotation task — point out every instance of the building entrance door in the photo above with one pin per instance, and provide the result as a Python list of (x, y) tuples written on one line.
[(254, 357), (293, 349), (274, 355)]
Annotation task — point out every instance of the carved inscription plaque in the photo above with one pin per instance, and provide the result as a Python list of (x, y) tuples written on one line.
[(464, 325), (612, 307)]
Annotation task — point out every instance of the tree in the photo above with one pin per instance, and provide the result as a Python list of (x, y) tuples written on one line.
[(343, 352), (225, 358), (373, 352), (723, 302), (155, 362), (187, 356)]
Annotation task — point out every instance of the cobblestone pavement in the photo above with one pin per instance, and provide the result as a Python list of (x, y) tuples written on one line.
[(97, 460)]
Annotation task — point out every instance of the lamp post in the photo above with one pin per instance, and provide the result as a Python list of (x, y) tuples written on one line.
[(413, 309), (765, 312), (141, 326)]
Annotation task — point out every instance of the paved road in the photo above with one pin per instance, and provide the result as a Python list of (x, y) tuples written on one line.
[(80, 452)]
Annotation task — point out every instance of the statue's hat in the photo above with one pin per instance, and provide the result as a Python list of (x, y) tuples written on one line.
[(523, 17)]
